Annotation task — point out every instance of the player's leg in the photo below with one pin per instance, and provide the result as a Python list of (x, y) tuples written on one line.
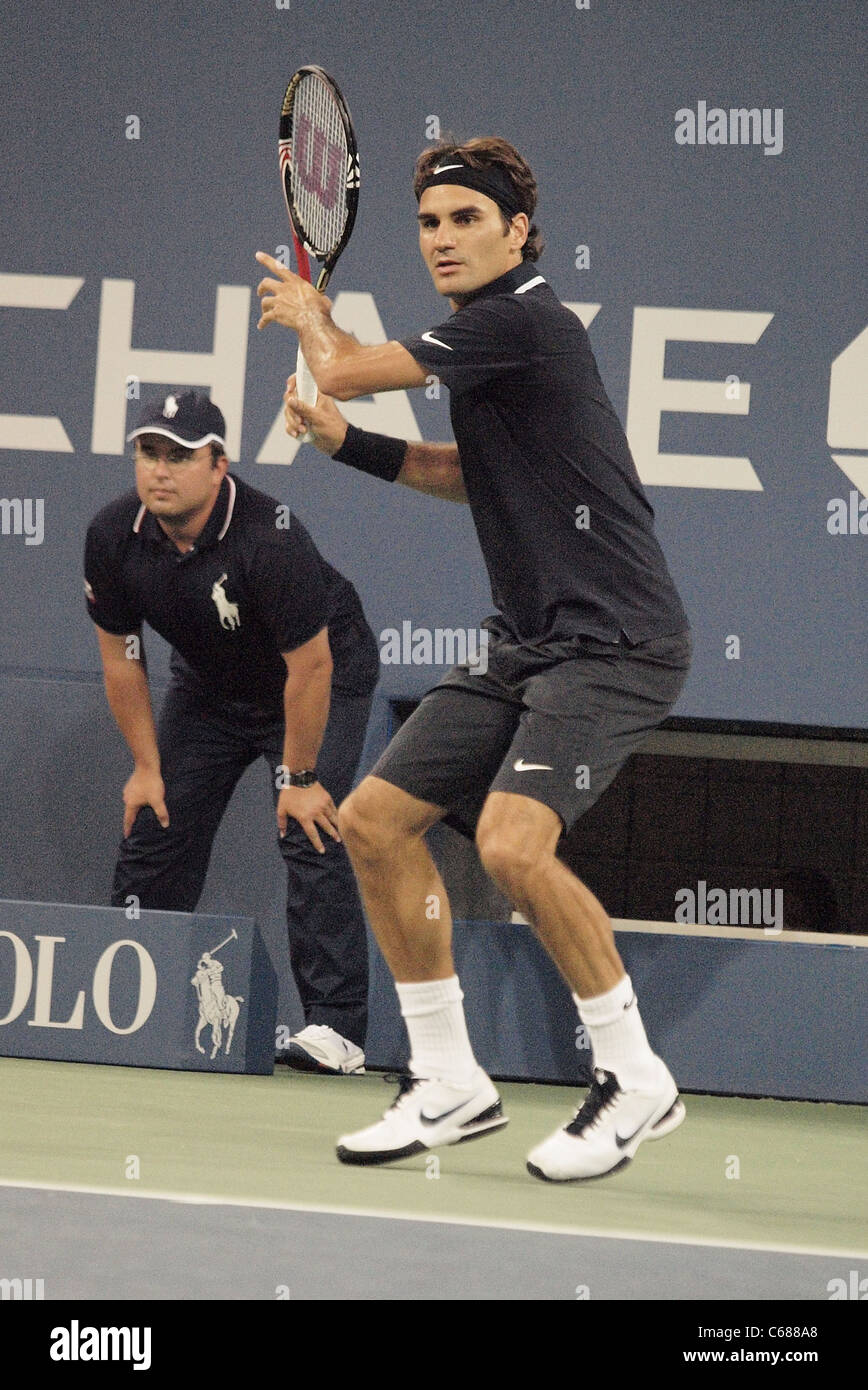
[(201, 759), (453, 742), (328, 940), (517, 838), (583, 720), (438, 765), (447, 1097), (383, 828)]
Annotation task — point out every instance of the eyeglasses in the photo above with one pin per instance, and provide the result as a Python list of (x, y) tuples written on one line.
[(175, 459)]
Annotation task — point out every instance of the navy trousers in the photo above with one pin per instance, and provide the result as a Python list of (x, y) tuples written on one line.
[(204, 749)]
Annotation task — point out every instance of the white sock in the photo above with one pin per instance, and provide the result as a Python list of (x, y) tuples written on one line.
[(439, 1045), (617, 1034)]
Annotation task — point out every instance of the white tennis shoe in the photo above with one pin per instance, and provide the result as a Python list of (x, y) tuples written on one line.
[(608, 1129), (426, 1114), (319, 1048)]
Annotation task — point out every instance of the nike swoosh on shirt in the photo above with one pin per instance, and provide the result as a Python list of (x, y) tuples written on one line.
[(429, 338), (435, 1119), (522, 766)]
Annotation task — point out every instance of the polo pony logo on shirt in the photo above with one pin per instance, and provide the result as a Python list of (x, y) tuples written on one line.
[(228, 611)]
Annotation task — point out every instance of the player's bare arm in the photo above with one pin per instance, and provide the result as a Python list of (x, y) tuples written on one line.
[(306, 697), (435, 469), (431, 468), (129, 698), (343, 367)]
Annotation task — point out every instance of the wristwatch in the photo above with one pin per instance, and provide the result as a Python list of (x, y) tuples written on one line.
[(302, 779)]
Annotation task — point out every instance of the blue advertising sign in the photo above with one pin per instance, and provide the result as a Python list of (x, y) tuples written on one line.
[(158, 989)]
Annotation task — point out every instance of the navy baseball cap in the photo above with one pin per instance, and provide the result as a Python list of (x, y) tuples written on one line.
[(188, 418)]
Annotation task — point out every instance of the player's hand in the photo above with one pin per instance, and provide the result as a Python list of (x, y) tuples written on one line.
[(324, 420), (144, 788), (311, 807), (285, 297)]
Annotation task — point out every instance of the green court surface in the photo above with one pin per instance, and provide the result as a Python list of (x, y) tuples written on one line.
[(762, 1174)]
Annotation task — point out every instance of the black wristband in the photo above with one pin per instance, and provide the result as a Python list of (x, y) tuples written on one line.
[(377, 454)]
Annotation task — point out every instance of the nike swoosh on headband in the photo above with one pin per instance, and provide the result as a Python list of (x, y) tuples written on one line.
[(522, 766)]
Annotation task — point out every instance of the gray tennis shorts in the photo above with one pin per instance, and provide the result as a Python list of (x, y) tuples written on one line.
[(555, 730)]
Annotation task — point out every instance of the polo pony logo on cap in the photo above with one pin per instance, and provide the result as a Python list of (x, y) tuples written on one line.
[(170, 407)]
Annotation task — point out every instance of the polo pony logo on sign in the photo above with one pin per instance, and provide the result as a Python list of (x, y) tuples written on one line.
[(216, 1007), (229, 617)]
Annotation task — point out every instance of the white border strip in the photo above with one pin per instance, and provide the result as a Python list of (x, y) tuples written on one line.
[(810, 938), (771, 748), (538, 1227)]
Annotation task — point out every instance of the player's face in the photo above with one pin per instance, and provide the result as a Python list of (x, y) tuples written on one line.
[(176, 484), (463, 239)]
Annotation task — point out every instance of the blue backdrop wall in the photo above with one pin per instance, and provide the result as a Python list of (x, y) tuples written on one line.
[(133, 239), (721, 283)]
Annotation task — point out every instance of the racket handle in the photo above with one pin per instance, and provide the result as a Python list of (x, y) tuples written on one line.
[(306, 389)]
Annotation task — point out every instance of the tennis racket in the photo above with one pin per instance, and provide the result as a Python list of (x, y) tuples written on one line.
[(319, 165)]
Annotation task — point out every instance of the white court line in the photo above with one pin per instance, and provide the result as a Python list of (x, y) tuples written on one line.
[(203, 1199)]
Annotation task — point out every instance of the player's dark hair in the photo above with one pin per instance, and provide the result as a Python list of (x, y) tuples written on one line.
[(486, 152), (217, 452)]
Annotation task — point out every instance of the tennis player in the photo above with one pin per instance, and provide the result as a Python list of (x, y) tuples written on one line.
[(272, 657), (588, 652)]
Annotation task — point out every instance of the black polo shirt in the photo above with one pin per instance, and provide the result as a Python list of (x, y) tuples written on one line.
[(250, 589), (538, 440)]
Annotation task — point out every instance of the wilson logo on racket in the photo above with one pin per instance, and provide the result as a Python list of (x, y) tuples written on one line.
[(318, 161)]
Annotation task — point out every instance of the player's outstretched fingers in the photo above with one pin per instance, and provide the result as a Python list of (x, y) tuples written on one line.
[(276, 267)]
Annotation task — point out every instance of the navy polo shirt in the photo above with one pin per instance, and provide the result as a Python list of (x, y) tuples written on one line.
[(538, 440), (250, 589)]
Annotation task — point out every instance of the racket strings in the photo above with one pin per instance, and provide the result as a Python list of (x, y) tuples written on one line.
[(318, 175)]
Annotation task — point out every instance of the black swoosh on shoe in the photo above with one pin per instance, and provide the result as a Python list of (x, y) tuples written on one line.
[(436, 1119), (622, 1143)]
